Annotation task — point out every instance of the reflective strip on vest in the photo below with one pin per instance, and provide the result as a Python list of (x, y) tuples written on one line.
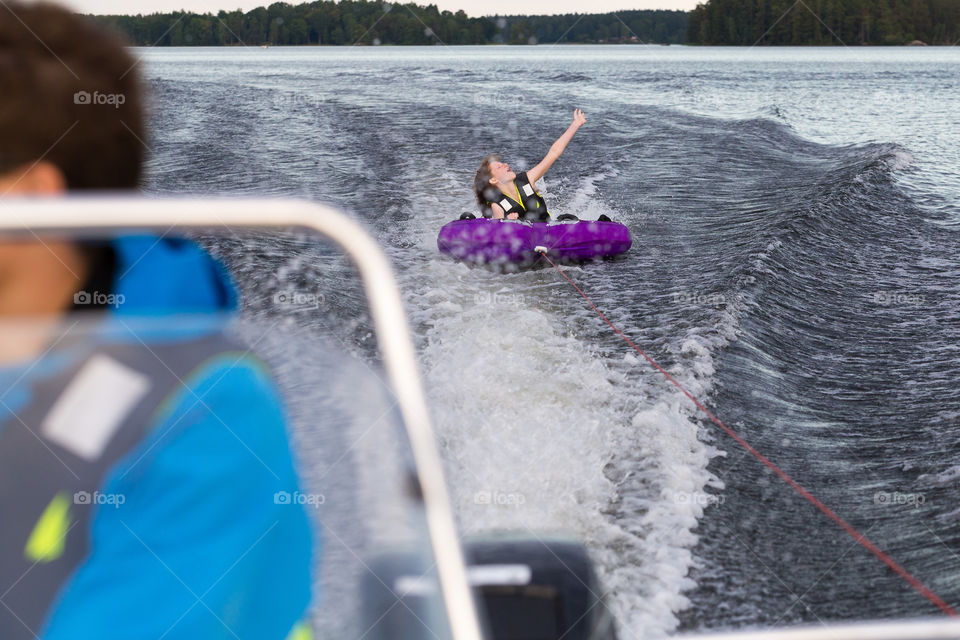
[(93, 406), (301, 631), (49, 536)]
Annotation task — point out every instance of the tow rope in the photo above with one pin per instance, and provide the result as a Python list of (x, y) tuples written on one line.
[(856, 535)]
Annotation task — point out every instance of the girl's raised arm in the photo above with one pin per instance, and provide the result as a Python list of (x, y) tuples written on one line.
[(556, 150)]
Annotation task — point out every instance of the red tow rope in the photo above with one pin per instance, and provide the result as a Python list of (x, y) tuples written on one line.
[(856, 535)]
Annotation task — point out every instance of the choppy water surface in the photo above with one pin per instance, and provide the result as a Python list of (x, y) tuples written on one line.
[(795, 220)]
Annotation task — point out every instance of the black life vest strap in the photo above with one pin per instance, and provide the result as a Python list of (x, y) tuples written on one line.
[(510, 205), (526, 192)]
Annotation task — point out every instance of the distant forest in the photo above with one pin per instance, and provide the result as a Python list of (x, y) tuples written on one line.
[(717, 22), (825, 22), (361, 22)]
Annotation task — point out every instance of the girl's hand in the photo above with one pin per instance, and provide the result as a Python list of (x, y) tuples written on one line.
[(556, 149)]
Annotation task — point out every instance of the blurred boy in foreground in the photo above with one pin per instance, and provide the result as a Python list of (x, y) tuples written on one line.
[(141, 451)]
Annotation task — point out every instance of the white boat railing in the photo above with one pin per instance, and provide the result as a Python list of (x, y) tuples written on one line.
[(80, 215)]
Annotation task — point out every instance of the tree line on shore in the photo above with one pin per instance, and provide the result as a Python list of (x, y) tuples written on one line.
[(362, 22), (825, 22), (716, 22)]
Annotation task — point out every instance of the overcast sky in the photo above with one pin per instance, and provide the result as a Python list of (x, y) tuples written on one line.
[(472, 7)]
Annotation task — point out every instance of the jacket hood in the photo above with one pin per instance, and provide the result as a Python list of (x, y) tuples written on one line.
[(166, 276)]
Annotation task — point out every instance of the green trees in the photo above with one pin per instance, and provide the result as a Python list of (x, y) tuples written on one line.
[(364, 22), (731, 22), (824, 22)]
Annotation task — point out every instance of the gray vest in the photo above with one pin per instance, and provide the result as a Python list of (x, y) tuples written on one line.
[(57, 452)]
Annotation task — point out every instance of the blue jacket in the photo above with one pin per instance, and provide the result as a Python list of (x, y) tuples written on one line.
[(200, 547)]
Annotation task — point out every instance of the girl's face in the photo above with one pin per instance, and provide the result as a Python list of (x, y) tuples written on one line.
[(501, 172)]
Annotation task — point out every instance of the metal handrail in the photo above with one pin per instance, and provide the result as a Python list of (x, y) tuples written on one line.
[(166, 215)]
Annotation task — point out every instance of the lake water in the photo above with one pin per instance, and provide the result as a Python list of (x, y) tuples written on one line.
[(796, 262)]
